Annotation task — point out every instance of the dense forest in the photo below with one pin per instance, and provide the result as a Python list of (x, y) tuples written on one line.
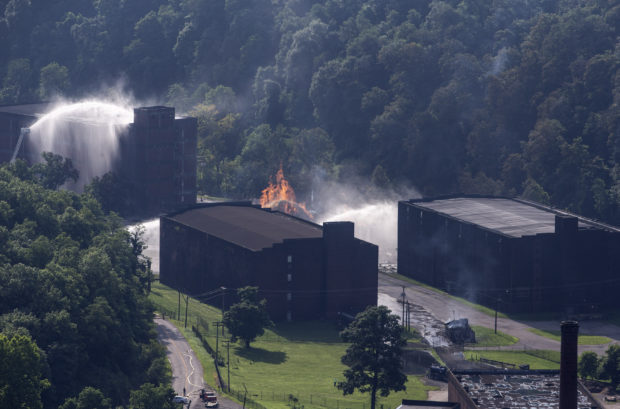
[(76, 329), (511, 97)]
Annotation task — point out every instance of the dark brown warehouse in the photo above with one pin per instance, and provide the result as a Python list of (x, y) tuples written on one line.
[(304, 270), (156, 153), (510, 253)]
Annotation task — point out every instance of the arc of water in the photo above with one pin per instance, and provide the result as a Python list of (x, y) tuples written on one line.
[(23, 133)]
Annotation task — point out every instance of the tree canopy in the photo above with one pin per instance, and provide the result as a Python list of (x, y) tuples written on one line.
[(374, 357), (504, 97), (247, 318), (73, 307)]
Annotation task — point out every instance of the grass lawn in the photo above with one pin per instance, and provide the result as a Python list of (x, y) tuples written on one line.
[(486, 337), (583, 339), (536, 359), (299, 359)]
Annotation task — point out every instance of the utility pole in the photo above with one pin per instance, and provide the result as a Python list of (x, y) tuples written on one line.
[(186, 305), (496, 305), (403, 296), (223, 290), (179, 307), (217, 337), (227, 342), (408, 316), (244, 395)]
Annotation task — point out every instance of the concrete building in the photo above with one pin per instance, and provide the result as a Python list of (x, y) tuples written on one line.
[(304, 270), (156, 157), (510, 253)]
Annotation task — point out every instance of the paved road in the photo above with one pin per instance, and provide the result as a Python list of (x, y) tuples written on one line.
[(186, 369), (445, 309)]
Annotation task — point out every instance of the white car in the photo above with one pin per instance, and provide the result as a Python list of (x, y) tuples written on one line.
[(180, 399)]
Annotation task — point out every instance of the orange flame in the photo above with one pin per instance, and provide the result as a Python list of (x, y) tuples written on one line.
[(281, 196)]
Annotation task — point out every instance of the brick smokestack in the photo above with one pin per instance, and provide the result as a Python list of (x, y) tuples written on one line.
[(568, 365)]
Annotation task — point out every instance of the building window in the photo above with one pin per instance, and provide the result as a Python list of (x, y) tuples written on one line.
[(289, 259), (289, 277), (289, 296), (289, 316)]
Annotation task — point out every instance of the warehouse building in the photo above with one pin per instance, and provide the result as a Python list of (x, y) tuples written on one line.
[(304, 270), (510, 253), (155, 160)]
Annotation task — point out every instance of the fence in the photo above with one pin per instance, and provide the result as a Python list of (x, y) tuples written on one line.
[(301, 400)]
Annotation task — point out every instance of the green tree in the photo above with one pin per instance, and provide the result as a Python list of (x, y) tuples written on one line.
[(55, 171), (17, 82), (150, 396), (89, 398), (374, 356), (248, 318), (21, 379), (588, 364), (53, 80), (610, 367)]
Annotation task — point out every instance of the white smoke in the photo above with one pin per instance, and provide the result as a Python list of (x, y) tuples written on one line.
[(499, 62), (374, 211)]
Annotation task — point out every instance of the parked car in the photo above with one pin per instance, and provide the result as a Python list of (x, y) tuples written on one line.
[(180, 399)]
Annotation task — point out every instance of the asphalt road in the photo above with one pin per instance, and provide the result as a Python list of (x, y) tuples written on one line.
[(445, 309), (186, 369)]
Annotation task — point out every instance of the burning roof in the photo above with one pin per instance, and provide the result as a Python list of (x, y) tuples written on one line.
[(281, 196), (247, 226)]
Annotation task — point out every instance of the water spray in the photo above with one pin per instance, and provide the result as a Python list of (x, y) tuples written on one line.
[(86, 132)]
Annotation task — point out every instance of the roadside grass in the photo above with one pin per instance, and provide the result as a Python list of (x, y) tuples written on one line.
[(485, 310), (583, 339), (298, 359), (535, 359), (536, 316), (486, 337)]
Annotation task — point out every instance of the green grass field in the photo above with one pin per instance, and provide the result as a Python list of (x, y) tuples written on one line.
[(583, 339), (535, 359), (299, 359), (486, 337)]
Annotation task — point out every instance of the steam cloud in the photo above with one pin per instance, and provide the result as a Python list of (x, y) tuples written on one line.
[(374, 211)]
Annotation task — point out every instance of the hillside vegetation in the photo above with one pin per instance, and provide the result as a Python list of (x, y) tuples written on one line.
[(75, 326), (514, 97)]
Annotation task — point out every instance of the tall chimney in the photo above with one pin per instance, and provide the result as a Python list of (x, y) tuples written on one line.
[(568, 365)]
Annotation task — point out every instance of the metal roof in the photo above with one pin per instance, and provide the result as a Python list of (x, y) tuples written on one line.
[(247, 226), (510, 217)]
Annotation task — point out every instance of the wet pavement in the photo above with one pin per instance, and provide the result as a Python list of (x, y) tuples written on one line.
[(436, 308)]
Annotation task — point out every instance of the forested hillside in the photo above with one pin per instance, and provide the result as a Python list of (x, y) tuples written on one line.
[(514, 97), (76, 329)]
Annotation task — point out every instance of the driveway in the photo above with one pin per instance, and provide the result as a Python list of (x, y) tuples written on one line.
[(445, 308), (186, 369)]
